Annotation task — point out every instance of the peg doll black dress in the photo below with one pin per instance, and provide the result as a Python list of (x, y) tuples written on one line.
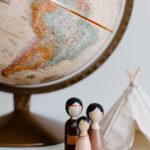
[(73, 108)]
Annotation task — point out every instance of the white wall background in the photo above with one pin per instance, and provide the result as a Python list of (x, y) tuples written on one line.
[(107, 83)]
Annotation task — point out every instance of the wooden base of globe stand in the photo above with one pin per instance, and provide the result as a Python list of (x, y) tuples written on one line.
[(22, 128)]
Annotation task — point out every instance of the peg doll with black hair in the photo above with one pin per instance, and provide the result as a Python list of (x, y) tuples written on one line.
[(95, 113), (74, 108), (83, 142)]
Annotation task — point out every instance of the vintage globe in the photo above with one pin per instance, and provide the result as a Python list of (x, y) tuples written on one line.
[(47, 43)]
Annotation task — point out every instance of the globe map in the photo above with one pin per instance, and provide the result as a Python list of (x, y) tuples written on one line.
[(41, 42)]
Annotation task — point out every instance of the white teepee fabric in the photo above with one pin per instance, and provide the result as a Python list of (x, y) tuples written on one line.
[(119, 124)]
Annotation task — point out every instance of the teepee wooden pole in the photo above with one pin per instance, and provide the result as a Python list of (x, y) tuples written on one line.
[(132, 76), (129, 75), (136, 73)]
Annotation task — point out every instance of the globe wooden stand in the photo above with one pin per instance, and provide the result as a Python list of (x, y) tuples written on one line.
[(21, 128)]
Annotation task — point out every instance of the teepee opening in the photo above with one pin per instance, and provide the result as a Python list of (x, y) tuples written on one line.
[(140, 142)]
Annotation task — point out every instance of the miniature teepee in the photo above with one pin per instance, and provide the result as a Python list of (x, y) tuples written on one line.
[(119, 124)]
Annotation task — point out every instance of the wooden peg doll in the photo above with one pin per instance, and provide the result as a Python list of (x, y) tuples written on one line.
[(95, 113), (83, 142), (74, 108)]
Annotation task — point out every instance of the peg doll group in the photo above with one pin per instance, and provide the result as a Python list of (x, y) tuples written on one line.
[(83, 133)]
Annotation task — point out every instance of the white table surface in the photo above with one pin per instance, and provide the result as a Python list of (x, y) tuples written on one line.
[(140, 144)]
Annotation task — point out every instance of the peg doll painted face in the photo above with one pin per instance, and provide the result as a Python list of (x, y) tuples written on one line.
[(95, 112), (74, 107)]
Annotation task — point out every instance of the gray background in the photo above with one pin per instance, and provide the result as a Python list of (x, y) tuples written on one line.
[(107, 83)]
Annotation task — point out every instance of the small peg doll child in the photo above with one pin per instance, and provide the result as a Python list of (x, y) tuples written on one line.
[(74, 108), (83, 142), (95, 113)]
